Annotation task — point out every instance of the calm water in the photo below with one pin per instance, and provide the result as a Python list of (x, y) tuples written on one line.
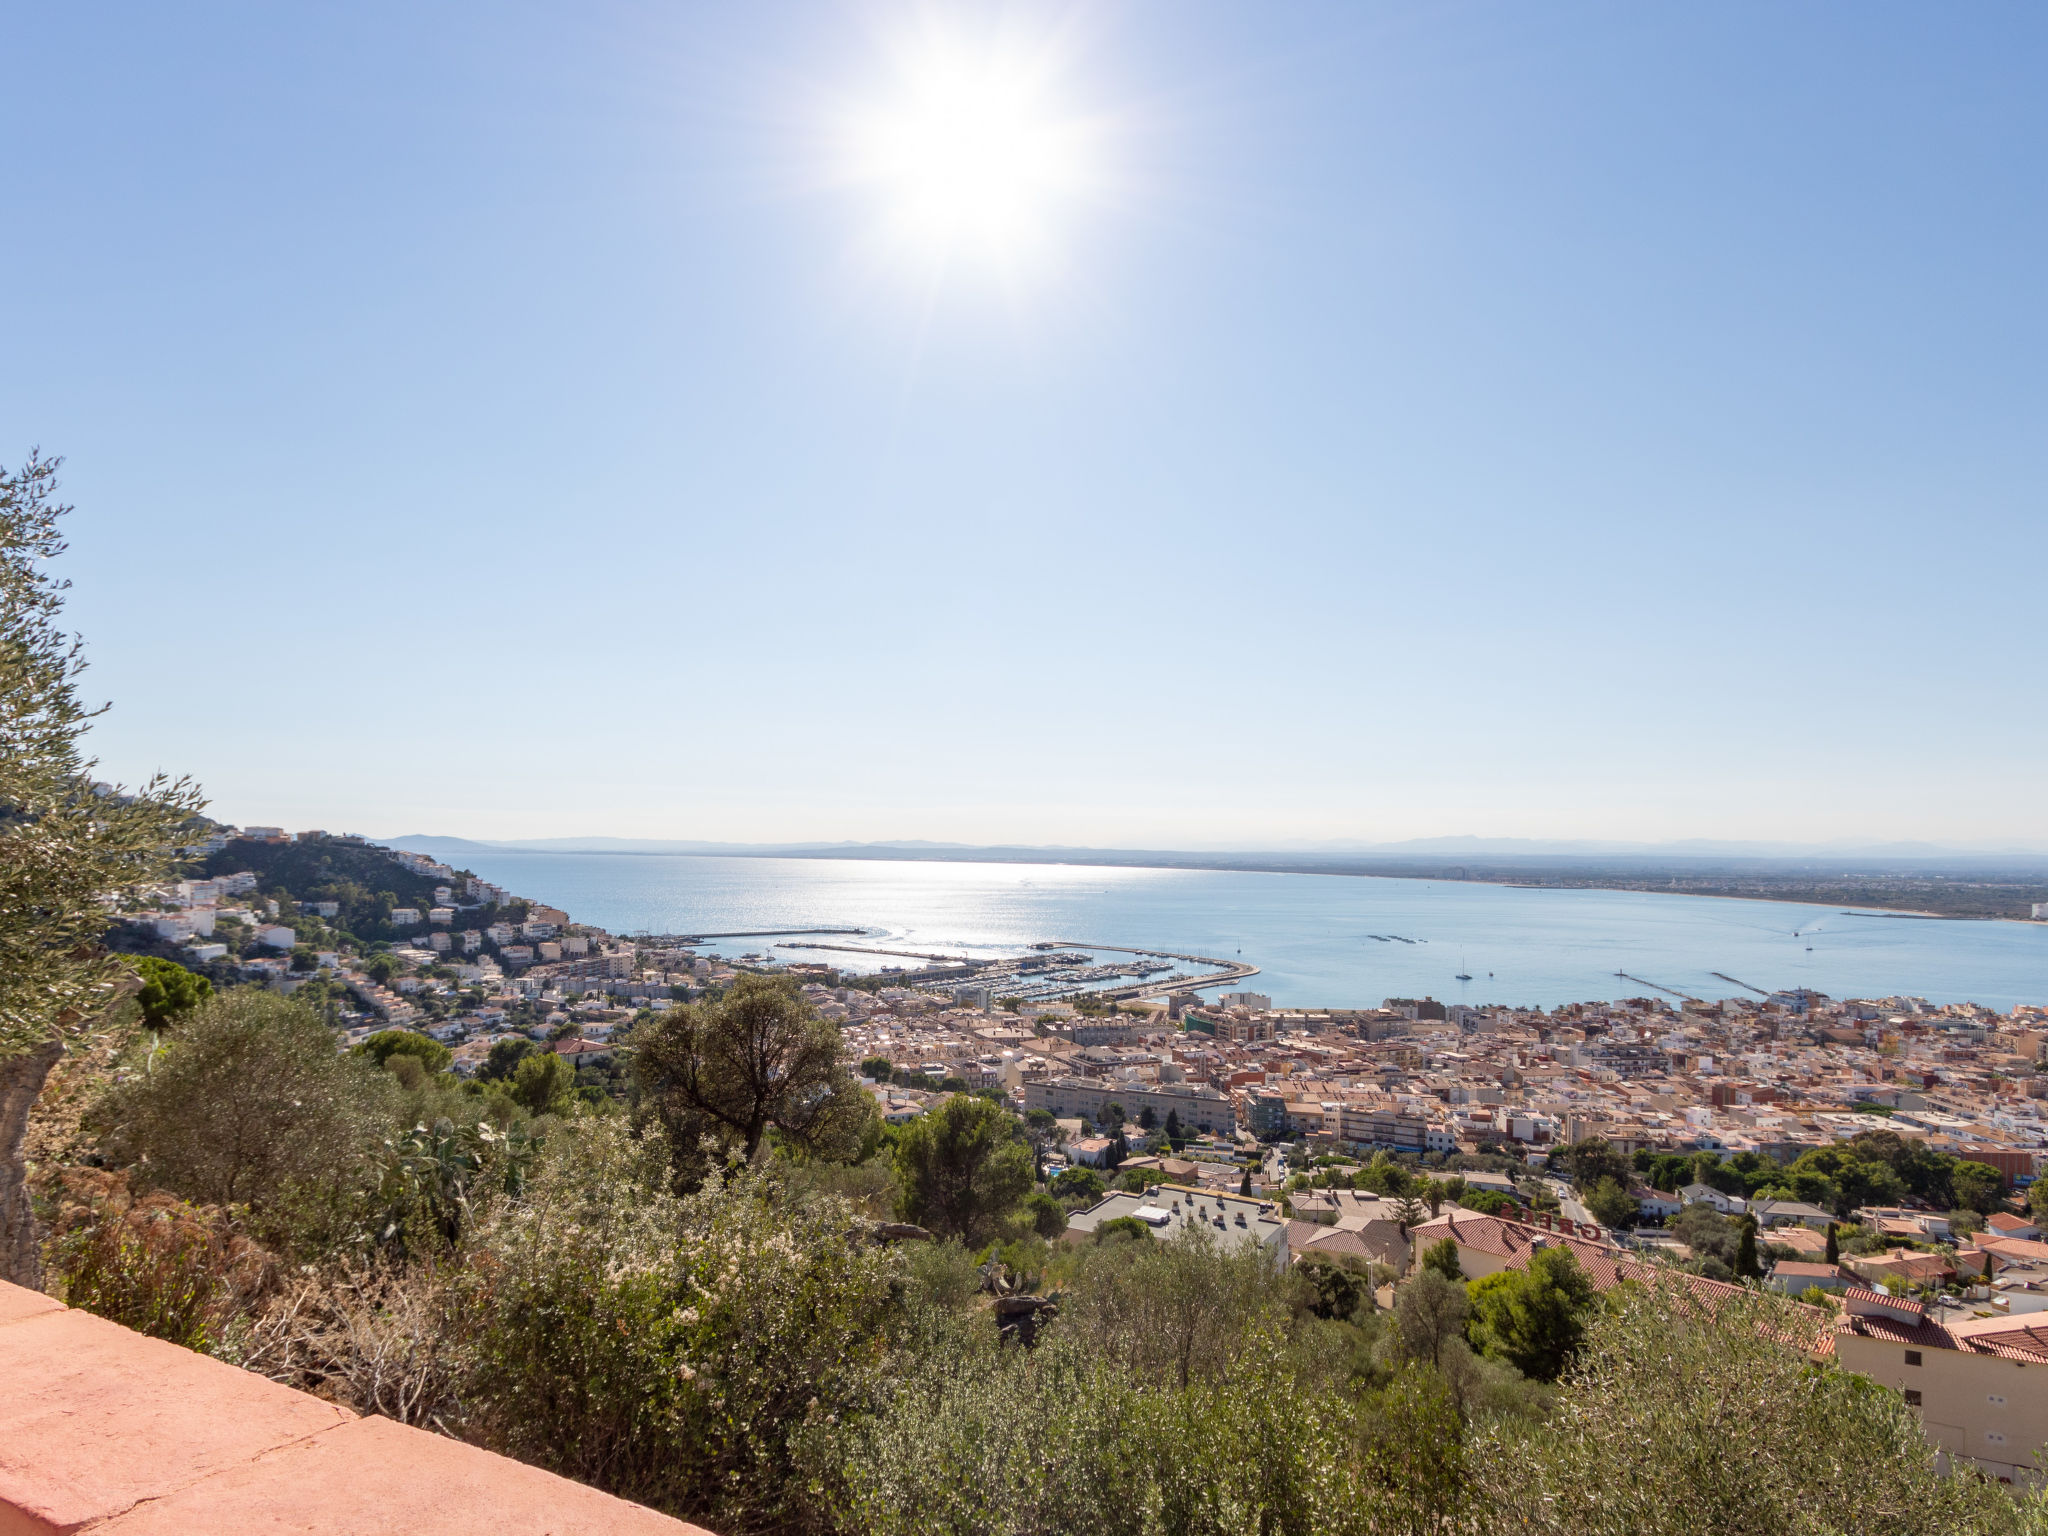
[(1308, 934)]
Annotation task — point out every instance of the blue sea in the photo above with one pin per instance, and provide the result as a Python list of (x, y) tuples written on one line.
[(1318, 940)]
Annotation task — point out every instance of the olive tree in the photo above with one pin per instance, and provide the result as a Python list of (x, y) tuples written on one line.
[(1174, 1311), (1679, 1418), (1429, 1313), (66, 843), (247, 1099)]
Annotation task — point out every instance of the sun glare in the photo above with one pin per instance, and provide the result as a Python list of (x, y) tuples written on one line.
[(971, 157)]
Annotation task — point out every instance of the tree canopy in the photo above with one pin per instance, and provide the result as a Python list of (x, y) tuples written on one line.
[(169, 990), (1588, 1162), (756, 1058), (387, 1043), (1534, 1318), (65, 842), (1442, 1256), (1083, 1185), (247, 1099), (1611, 1203), (543, 1084), (964, 1168)]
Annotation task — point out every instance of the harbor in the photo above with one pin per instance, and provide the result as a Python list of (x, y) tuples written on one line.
[(1311, 940)]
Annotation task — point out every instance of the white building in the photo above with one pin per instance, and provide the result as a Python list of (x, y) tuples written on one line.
[(1231, 1221), (196, 922), (1706, 1194)]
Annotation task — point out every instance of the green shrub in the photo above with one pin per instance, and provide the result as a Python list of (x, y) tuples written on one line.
[(1047, 1216), (666, 1347), (247, 1099), (1122, 1227), (386, 1043), (1078, 1186), (1487, 1202)]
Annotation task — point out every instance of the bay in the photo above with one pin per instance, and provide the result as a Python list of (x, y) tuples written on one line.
[(1318, 940)]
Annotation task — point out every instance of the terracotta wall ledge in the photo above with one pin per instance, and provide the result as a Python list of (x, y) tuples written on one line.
[(104, 1430)]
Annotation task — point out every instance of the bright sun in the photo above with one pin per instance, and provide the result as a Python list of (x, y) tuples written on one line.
[(972, 157)]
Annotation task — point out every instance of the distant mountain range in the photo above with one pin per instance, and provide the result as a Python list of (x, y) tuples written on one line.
[(1416, 856)]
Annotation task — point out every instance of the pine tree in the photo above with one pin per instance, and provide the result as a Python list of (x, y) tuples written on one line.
[(1746, 1265)]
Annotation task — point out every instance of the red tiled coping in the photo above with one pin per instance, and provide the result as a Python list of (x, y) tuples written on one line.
[(106, 1431)]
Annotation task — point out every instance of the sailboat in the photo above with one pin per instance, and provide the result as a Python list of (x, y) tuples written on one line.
[(1463, 974)]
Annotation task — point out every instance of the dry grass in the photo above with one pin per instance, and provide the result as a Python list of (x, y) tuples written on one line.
[(375, 1340)]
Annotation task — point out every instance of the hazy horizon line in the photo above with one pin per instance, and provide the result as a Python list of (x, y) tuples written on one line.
[(1466, 845)]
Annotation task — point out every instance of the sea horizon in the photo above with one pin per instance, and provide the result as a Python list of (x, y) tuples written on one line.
[(1318, 939)]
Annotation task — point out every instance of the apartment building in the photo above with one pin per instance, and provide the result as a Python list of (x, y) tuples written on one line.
[(1200, 1108), (1978, 1385), (1403, 1131)]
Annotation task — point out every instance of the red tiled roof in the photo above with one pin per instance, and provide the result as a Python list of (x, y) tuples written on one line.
[(1608, 1267), (2022, 1248), (2010, 1338)]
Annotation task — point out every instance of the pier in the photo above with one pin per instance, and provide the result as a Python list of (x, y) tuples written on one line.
[(1724, 976), (1231, 970), (1668, 991), (903, 954), (755, 933)]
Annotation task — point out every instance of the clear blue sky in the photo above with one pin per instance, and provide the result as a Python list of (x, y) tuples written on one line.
[(1591, 421)]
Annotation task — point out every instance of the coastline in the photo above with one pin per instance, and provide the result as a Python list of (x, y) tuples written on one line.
[(1256, 865)]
